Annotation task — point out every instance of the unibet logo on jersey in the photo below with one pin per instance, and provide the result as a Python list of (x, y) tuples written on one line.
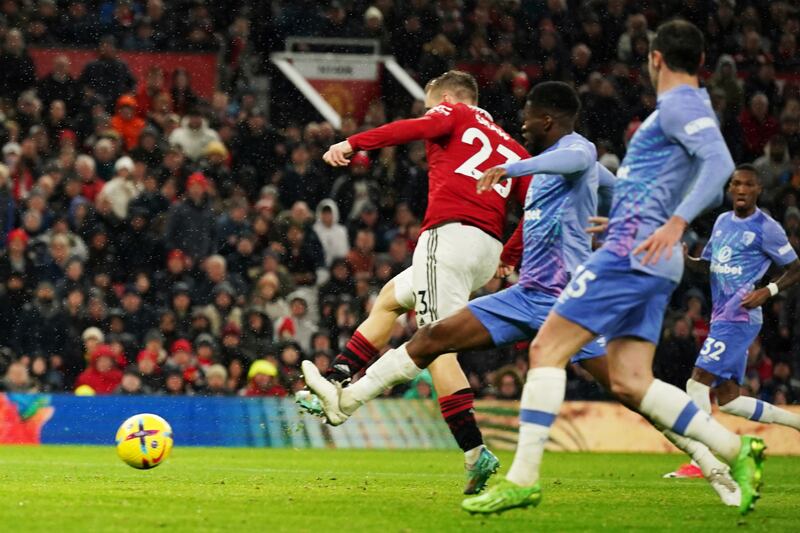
[(720, 266)]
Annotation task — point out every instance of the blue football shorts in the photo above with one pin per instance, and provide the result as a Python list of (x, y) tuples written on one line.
[(608, 297), (516, 314), (724, 353)]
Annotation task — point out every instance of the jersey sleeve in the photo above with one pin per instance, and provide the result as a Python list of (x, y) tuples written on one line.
[(437, 122), (776, 244), (566, 160), (512, 251), (690, 123)]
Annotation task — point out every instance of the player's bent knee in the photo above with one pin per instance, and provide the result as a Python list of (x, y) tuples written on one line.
[(429, 341), (627, 391), (386, 299)]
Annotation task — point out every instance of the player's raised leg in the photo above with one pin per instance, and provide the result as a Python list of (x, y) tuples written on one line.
[(394, 299), (460, 331)]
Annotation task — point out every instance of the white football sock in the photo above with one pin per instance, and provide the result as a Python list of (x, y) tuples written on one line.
[(542, 397), (672, 408), (700, 394), (761, 411), (471, 456), (698, 451), (393, 368)]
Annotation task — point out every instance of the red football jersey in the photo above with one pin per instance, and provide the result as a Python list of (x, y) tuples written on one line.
[(461, 142)]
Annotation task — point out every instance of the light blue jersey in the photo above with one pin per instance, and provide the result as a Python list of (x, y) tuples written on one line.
[(677, 164), (740, 251), (560, 199), (677, 148)]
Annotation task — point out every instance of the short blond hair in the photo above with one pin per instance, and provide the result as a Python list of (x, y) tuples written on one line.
[(461, 84)]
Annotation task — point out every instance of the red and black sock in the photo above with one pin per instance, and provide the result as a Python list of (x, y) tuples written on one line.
[(357, 355), (457, 410)]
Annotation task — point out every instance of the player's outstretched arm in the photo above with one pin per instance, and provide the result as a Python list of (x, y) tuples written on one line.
[(436, 123), (567, 161)]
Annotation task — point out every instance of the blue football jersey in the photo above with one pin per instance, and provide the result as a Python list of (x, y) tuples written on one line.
[(557, 210), (661, 165), (740, 251)]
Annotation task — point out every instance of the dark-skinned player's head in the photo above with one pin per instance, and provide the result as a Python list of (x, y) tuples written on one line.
[(550, 113), (744, 189), (452, 87), (679, 47)]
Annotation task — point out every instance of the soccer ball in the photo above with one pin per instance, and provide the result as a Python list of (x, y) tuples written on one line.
[(144, 441)]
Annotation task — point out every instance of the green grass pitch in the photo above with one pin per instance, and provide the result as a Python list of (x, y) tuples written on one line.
[(65, 488)]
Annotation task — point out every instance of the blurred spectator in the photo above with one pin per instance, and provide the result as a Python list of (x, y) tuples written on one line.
[(131, 384), (108, 76), (508, 384), (193, 135), (758, 126), (16, 66), (190, 224), (262, 380), (636, 27), (217, 381), (59, 85), (421, 387), (102, 376), (17, 379), (297, 325), (126, 123), (771, 166), (725, 79), (361, 258)]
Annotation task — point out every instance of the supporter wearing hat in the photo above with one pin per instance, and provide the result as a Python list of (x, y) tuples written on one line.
[(206, 349), (191, 225), (256, 332), (102, 376), (223, 309), (217, 381), (126, 123), (183, 360), (193, 135), (215, 165), (121, 189), (262, 380), (15, 260)]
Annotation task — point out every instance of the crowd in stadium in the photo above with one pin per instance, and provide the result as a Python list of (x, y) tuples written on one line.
[(155, 242)]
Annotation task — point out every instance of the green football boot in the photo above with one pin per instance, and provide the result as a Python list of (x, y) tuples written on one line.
[(503, 496), (309, 403), (479, 473), (747, 470)]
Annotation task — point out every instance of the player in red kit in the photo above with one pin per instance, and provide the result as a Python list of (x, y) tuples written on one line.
[(457, 253)]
